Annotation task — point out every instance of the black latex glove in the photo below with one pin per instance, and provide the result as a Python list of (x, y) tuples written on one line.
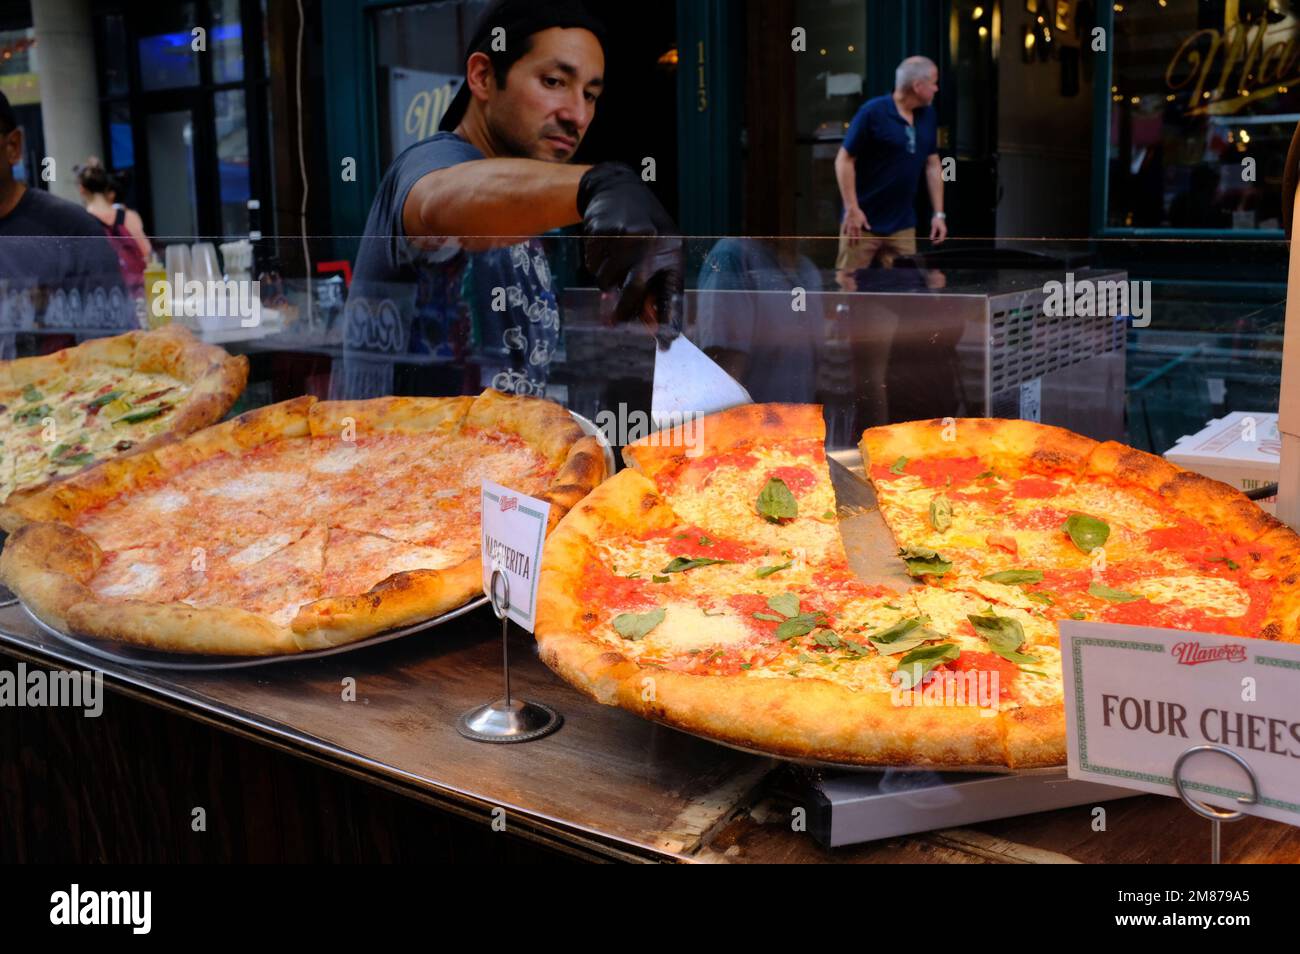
[(632, 248)]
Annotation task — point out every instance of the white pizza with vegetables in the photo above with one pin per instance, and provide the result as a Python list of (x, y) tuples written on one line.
[(707, 587), (62, 412)]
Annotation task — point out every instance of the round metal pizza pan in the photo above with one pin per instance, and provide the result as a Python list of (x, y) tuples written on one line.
[(858, 767), (154, 659)]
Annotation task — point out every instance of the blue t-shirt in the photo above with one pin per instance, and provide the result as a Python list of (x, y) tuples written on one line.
[(891, 155), (447, 320)]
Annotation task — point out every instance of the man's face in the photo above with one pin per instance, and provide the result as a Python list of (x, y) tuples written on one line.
[(927, 88), (549, 98), (11, 153)]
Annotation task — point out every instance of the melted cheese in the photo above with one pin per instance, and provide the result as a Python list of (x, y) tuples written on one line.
[(686, 628), (1214, 595), (140, 579)]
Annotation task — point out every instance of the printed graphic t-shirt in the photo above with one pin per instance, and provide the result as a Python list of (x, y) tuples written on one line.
[(431, 318)]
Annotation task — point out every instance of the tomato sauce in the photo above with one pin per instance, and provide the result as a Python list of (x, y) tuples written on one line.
[(603, 587), (688, 542), (1034, 488), (1040, 518), (798, 479)]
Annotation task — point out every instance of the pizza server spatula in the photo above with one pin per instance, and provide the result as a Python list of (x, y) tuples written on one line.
[(686, 380)]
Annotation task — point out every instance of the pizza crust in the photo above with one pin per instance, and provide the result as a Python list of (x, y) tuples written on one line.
[(48, 563)]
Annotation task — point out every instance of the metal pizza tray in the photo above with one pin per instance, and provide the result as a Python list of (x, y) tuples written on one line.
[(126, 654)]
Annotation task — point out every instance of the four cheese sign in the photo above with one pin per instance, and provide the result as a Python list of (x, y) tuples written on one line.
[(1137, 697), (514, 528)]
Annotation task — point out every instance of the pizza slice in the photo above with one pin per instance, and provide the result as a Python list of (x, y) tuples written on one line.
[(756, 473)]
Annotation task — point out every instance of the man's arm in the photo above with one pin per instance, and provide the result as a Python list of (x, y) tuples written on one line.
[(934, 183), (484, 197), (846, 170)]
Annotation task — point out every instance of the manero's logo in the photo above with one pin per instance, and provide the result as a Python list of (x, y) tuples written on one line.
[(1193, 654)]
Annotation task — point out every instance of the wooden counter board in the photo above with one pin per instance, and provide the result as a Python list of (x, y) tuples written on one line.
[(607, 782)]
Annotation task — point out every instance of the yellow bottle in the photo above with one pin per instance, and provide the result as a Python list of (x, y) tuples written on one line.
[(157, 294)]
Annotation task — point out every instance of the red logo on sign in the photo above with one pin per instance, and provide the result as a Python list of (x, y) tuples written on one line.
[(1193, 654), (509, 503)]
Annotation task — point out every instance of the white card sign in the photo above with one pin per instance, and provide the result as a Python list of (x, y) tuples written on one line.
[(1137, 697), (514, 529)]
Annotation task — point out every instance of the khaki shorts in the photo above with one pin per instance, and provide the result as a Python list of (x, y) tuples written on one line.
[(871, 246)]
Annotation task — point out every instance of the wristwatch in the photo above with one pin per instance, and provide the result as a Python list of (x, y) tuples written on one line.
[(938, 215)]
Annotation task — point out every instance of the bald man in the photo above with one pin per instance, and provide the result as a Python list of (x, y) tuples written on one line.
[(890, 141)]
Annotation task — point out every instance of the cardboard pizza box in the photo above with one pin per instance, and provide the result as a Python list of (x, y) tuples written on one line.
[(1242, 449)]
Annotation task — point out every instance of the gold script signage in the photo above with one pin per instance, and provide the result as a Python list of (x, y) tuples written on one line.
[(425, 109), (1226, 69)]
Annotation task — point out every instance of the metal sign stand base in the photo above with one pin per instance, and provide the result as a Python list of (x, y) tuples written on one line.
[(1215, 815), (507, 720)]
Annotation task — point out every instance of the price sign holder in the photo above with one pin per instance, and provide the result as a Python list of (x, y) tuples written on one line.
[(1215, 815), (508, 719)]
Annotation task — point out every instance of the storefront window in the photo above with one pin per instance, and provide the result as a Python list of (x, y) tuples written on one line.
[(829, 89), (227, 43), (419, 58), (167, 58), (1204, 97)]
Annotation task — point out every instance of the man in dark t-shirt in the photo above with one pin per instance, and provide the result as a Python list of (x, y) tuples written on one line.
[(890, 143), (55, 261), (440, 302)]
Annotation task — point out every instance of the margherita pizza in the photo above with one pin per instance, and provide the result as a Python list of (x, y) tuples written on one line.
[(298, 526), (62, 412), (708, 587)]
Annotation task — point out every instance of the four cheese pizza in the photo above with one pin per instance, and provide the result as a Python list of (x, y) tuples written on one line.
[(297, 526), (62, 412), (708, 587)]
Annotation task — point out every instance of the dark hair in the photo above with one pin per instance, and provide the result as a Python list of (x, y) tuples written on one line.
[(518, 18), (8, 118), (567, 14), (94, 178)]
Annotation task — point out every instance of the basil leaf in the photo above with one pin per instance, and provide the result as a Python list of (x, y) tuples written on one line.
[(103, 399), (797, 626), (1113, 596), (681, 564), (899, 465), (941, 513), (829, 515), (856, 648), (705, 542), (31, 395), (1003, 634), (1041, 596), (76, 460), (987, 473), (1078, 614), (904, 645), (1018, 658), (896, 632), (1232, 564), (770, 617), (787, 604), (656, 578), (1087, 532), (29, 414), (135, 417), (1012, 577), (763, 572), (828, 639), (922, 561), (775, 502), (638, 625), (913, 667)]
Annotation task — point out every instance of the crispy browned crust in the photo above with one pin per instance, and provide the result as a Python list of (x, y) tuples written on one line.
[(805, 718), (1000, 442), (48, 563), (216, 379), (737, 428)]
